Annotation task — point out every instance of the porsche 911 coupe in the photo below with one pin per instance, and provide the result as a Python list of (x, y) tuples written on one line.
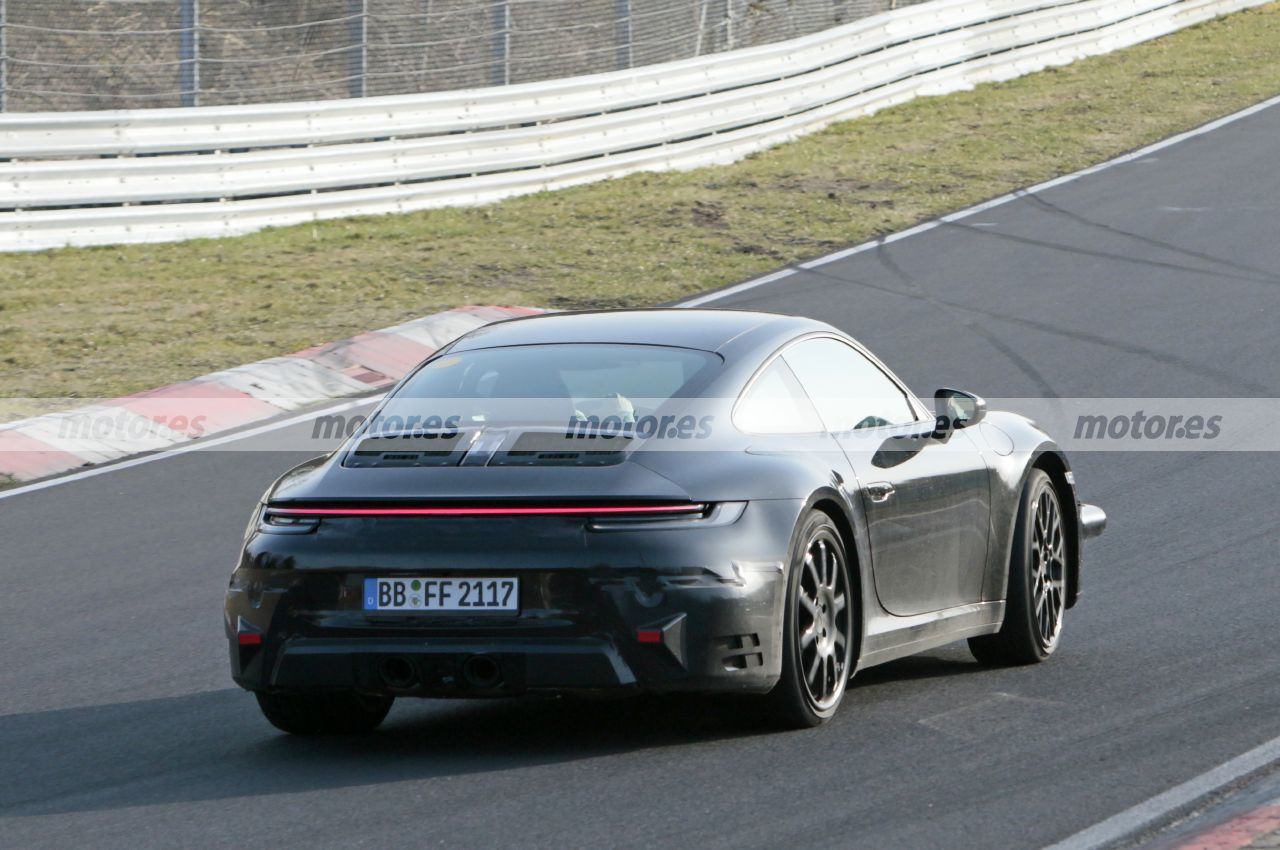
[(655, 500)]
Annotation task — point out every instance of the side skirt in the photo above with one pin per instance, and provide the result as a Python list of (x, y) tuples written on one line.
[(889, 638)]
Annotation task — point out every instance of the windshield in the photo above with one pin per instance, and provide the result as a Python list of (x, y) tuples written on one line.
[(544, 385)]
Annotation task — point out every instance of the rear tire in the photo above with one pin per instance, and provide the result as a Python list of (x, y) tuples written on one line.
[(818, 627), (1038, 566), (338, 713)]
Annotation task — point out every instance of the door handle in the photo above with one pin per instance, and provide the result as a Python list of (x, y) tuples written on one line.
[(880, 491)]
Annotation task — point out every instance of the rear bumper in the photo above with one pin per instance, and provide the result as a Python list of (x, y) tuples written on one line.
[(408, 667), (713, 593), (710, 638)]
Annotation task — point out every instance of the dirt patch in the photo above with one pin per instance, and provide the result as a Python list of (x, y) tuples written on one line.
[(837, 186), (708, 214)]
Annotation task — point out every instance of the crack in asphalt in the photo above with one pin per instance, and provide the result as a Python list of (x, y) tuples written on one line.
[(1161, 357), (885, 257), (1055, 209), (1107, 255)]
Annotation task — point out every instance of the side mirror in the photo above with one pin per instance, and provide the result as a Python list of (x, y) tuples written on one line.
[(956, 409)]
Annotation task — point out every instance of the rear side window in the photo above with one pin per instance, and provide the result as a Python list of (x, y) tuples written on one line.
[(775, 403), (849, 390)]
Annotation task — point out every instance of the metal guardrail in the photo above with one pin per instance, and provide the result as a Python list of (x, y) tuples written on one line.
[(167, 174)]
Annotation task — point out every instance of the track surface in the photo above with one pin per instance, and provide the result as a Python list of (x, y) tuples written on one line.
[(1157, 278)]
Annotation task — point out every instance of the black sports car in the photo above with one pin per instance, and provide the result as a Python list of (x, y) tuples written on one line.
[(654, 500)]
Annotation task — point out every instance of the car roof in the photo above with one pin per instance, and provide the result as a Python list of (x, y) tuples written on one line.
[(708, 330)]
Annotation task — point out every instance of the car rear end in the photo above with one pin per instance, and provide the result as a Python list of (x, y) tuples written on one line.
[(465, 598), (496, 528)]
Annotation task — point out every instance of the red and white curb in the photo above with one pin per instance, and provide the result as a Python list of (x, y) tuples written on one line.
[(181, 413), (1259, 828)]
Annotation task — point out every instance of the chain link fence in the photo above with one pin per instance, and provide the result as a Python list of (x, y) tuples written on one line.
[(127, 54)]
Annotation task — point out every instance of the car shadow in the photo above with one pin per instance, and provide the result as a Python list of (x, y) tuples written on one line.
[(214, 745), (943, 663)]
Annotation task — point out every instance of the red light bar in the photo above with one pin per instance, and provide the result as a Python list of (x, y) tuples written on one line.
[(249, 638), (551, 510), (649, 636)]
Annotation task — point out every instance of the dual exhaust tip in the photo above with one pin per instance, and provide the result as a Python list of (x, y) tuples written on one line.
[(479, 671)]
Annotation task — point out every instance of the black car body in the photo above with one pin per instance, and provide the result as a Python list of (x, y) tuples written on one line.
[(652, 566)]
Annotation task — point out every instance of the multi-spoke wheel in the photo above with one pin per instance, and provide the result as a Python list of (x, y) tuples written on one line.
[(1037, 593), (1048, 567), (818, 636)]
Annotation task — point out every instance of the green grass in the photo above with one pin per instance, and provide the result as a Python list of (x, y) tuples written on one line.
[(106, 321)]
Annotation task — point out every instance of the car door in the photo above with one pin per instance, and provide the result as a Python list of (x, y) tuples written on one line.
[(927, 501)]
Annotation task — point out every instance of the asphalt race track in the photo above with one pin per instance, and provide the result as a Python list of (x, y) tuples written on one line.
[(1160, 277)]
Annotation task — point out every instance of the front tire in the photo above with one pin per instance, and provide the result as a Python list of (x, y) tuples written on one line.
[(818, 627), (338, 713), (1037, 595)]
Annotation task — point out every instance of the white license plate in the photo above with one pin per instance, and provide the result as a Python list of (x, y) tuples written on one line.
[(442, 594)]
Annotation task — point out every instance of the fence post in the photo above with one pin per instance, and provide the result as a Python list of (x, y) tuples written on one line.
[(720, 36), (622, 33), (189, 53), (699, 21), (500, 25), (4, 56), (358, 37)]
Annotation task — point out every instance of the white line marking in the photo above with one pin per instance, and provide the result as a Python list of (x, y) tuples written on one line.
[(194, 446), (983, 207), (700, 299), (742, 287), (1143, 815)]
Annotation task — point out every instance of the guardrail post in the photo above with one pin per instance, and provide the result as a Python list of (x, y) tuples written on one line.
[(622, 32), (189, 53), (500, 25), (358, 36)]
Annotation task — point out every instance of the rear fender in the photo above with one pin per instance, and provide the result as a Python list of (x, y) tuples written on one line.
[(1016, 448)]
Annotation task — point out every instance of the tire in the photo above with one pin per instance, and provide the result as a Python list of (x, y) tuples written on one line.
[(1038, 565), (818, 627), (338, 713)]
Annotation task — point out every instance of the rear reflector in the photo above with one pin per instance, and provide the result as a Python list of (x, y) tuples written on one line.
[(649, 636), (550, 510), (250, 638)]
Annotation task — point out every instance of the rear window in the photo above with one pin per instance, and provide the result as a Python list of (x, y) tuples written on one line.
[(545, 384)]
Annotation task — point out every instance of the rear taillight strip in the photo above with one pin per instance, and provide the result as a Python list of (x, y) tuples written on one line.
[(548, 510)]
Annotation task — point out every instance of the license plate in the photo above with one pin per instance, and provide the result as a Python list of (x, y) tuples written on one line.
[(442, 594)]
